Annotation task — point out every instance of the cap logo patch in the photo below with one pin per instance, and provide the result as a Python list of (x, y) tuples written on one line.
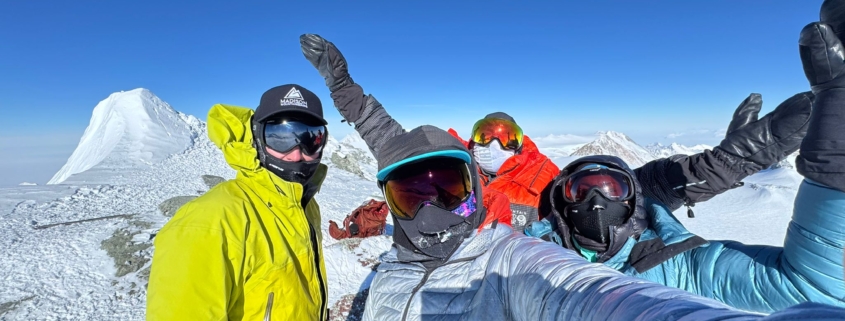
[(294, 98)]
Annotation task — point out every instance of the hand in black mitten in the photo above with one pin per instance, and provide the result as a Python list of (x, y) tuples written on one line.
[(770, 139), (822, 157), (822, 57), (327, 59), (746, 113)]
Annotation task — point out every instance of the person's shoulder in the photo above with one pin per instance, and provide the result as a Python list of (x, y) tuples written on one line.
[(532, 155), (223, 206)]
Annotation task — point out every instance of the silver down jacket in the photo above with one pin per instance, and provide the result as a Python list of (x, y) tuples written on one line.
[(498, 275)]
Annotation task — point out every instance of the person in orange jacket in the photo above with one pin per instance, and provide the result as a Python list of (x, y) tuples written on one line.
[(510, 163)]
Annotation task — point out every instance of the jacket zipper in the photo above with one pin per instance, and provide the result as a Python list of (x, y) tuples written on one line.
[(316, 250), (269, 310), (416, 288), (317, 270)]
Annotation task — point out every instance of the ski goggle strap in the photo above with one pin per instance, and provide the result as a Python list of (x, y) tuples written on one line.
[(444, 182), (507, 132), (614, 184), (283, 135)]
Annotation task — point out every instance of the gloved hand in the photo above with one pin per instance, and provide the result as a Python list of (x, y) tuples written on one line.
[(327, 59), (822, 56), (768, 140), (822, 156)]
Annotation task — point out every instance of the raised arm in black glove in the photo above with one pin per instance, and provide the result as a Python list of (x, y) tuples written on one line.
[(371, 120), (758, 144), (822, 156), (751, 144)]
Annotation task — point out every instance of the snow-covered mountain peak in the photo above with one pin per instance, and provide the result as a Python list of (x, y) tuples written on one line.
[(616, 144), (130, 129), (609, 134)]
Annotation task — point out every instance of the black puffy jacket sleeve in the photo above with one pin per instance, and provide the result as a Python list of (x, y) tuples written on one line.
[(682, 180)]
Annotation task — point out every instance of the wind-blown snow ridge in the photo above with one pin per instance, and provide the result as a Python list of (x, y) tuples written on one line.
[(129, 129)]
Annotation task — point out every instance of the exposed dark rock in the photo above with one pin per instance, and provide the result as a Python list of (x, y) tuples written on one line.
[(170, 206), (128, 256), (9, 306), (211, 180), (350, 307)]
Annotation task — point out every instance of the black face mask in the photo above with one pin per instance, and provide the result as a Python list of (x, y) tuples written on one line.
[(434, 232), (594, 218)]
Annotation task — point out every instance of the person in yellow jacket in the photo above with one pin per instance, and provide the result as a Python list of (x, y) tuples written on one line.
[(250, 248)]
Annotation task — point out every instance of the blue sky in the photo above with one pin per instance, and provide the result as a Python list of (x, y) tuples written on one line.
[(650, 69)]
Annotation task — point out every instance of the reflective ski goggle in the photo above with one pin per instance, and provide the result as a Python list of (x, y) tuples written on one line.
[(614, 184), (444, 182), (507, 132), (283, 135)]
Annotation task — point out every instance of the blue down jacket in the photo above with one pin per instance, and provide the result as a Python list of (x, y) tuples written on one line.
[(808, 268), (498, 275)]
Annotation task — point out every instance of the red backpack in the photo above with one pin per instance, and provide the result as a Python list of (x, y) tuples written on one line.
[(366, 220)]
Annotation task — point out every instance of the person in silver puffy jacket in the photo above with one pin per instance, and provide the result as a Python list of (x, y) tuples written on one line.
[(446, 265)]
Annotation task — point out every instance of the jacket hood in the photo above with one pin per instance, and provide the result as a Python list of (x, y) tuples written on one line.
[(229, 129), (633, 227)]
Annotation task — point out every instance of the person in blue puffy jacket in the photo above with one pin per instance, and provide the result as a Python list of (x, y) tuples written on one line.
[(598, 209)]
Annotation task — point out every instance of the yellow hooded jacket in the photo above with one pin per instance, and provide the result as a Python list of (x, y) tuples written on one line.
[(246, 249)]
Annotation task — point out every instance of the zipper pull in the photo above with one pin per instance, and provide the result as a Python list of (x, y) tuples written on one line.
[(690, 214), (689, 204)]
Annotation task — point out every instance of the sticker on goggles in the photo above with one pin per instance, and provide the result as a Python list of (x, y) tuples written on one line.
[(465, 209)]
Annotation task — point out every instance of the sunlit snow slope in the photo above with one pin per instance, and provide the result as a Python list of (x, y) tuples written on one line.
[(129, 130)]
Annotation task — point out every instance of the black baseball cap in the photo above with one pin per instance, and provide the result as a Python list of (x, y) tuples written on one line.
[(290, 98)]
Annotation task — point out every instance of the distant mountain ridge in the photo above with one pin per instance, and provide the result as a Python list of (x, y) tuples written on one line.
[(616, 144), (135, 129)]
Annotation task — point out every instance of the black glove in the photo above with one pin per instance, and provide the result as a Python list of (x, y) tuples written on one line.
[(746, 113), (327, 59), (768, 140), (822, 156)]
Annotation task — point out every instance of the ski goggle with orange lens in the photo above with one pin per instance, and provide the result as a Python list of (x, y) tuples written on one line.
[(614, 184), (283, 135), (444, 182), (507, 132)]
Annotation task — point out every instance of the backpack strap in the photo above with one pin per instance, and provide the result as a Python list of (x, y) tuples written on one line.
[(648, 254)]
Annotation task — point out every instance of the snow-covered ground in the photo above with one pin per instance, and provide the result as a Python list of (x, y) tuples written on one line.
[(95, 270)]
